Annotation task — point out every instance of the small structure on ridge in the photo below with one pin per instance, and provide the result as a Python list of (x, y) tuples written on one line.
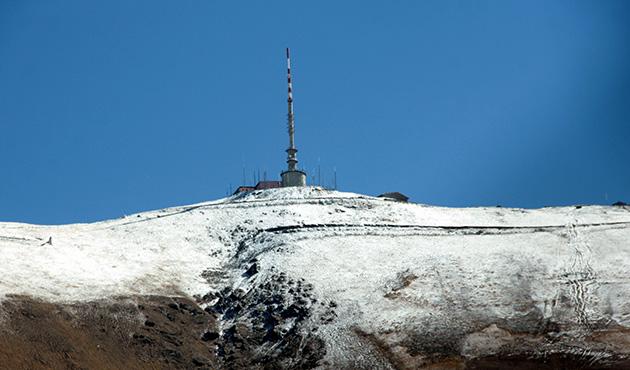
[(261, 185), (395, 196)]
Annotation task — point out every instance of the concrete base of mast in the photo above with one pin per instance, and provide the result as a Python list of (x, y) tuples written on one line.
[(293, 178)]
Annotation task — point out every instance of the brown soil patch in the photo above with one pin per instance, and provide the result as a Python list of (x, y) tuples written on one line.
[(400, 358), (156, 332), (124, 333)]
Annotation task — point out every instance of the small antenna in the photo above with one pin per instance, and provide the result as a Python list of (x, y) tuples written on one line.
[(319, 171), (319, 174)]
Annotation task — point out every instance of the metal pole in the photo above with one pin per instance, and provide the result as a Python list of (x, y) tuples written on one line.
[(291, 151)]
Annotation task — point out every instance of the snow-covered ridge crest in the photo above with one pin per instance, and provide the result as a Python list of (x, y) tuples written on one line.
[(182, 250)]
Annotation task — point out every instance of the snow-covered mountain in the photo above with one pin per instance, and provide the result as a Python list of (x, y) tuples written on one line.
[(306, 277)]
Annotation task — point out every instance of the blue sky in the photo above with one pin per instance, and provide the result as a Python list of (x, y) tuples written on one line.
[(114, 107)]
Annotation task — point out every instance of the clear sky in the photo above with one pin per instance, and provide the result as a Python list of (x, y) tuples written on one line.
[(113, 107)]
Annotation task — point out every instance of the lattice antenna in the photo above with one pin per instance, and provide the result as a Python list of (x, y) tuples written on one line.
[(291, 151), (292, 176)]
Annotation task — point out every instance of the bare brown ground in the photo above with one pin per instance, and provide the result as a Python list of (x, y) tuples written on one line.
[(157, 332), (130, 333), (512, 359)]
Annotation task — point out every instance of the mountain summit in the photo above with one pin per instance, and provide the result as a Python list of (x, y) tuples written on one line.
[(304, 277)]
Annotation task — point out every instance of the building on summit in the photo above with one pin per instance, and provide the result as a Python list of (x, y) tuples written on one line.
[(261, 185)]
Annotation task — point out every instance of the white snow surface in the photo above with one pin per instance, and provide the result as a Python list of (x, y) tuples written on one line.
[(399, 271), (353, 248)]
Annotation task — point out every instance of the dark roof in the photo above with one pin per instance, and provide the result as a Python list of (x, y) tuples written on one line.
[(395, 195), (268, 184), (243, 188)]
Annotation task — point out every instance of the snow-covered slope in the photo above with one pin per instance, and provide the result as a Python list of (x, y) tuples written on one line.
[(365, 282)]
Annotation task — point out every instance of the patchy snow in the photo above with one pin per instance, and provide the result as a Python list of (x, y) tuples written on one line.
[(166, 251), (393, 271)]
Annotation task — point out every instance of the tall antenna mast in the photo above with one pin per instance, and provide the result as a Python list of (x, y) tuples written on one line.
[(291, 151), (292, 176)]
